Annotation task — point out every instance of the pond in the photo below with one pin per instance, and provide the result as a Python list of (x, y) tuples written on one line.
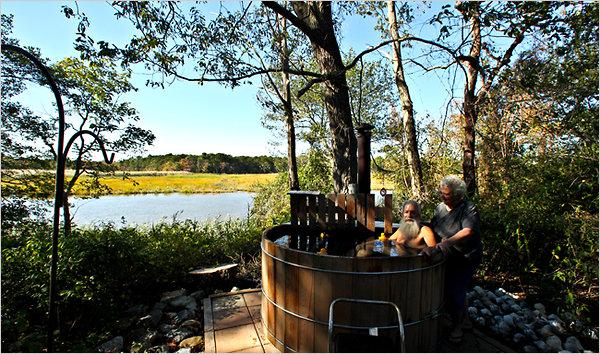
[(150, 208)]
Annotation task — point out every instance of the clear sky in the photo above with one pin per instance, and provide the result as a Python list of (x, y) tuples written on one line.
[(185, 117)]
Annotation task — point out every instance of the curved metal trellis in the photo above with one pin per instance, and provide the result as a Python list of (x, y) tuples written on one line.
[(59, 180)]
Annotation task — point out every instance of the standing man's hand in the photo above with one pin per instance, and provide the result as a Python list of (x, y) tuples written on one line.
[(444, 246)]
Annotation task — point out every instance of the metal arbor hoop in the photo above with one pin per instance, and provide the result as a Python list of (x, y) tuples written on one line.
[(59, 180)]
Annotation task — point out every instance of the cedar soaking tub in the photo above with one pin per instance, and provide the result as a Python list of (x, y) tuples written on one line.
[(298, 286)]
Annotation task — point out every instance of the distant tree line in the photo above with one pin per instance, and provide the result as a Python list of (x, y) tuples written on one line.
[(205, 163)]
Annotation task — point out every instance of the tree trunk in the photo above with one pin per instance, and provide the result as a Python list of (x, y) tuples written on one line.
[(469, 103), (289, 114), (411, 148), (67, 215), (315, 20)]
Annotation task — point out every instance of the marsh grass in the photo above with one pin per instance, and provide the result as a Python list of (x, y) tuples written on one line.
[(184, 183)]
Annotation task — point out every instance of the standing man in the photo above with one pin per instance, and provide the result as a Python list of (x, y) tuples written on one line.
[(456, 222)]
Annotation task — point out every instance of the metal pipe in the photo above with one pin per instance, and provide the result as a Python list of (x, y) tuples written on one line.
[(364, 158), (59, 181)]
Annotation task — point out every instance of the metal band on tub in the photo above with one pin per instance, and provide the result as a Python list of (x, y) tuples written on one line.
[(347, 272), (433, 314)]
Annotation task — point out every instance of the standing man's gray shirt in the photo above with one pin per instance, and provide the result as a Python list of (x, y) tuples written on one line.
[(447, 223)]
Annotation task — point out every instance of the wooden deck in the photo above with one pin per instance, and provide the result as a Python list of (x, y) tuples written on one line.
[(232, 324)]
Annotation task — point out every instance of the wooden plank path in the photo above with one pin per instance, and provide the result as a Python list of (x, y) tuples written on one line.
[(232, 324)]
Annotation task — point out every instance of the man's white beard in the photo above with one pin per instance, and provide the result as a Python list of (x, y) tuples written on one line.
[(409, 228)]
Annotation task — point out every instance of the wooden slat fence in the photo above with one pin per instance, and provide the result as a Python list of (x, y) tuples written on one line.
[(338, 211)]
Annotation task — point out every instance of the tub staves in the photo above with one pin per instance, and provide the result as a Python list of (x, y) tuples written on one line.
[(299, 286)]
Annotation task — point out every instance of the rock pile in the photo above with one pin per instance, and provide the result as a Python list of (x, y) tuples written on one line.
[(172, 324), (531, 330)]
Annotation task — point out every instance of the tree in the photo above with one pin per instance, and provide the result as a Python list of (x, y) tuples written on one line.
[(91, 90), (168, 36), (485, 60), (411, 149)]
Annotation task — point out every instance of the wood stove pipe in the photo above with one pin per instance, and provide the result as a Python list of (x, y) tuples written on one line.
[(364, 158)]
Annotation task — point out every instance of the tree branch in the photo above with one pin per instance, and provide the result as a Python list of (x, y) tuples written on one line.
[(295, 20)]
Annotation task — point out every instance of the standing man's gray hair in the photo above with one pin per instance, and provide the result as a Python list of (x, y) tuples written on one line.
[(456, 185)]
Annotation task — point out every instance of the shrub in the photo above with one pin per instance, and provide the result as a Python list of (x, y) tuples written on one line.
[(105, 269)]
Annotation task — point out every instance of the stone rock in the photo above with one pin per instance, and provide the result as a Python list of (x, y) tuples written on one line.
[(124, 324), (158, 349), (591, 333), (170, 317), (184, 350), (519, 321), (182, 316), (573, 345), (541, 346), (505, 307), (472, 311), (191, 342), (146, 321), (480, 292), (160, 306), (497, 319), (192, 306), (546, 331), (529, 349), (494, 309), (170, 295), (477, 303), (529, 333), (154, 337), (198, 295), (486, 313), (554, 343), (181, 301), (192, 324), (508, 319), (138, 347), (179, 334), (480, 321), (557, 326), (137, 310), (504, 329), (528, 315), (155, 316), (518, 338), (114, 345), (515, 308), (540, 308), (576, 326), (165, 327), (234, 289), (499, 292), (136, 335)]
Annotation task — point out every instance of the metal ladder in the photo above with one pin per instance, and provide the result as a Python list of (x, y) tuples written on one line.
[(371, 329)]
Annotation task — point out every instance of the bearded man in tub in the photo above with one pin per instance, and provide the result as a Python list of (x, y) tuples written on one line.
[(412, 236)]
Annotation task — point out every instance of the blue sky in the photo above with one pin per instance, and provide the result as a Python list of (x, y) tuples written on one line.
[(185, 117)]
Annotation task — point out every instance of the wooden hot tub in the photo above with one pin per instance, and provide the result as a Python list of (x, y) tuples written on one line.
[(299, 286)]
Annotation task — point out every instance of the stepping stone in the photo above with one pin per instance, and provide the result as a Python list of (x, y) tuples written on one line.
[(212, 270)]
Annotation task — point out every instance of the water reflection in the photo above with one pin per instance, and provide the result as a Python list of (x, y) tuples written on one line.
[(151, 208)]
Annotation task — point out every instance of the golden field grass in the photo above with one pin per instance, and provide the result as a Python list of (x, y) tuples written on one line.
[(140, 182), (186, 183)]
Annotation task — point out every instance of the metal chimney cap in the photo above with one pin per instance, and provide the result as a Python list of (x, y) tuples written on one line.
[(364, 127)]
